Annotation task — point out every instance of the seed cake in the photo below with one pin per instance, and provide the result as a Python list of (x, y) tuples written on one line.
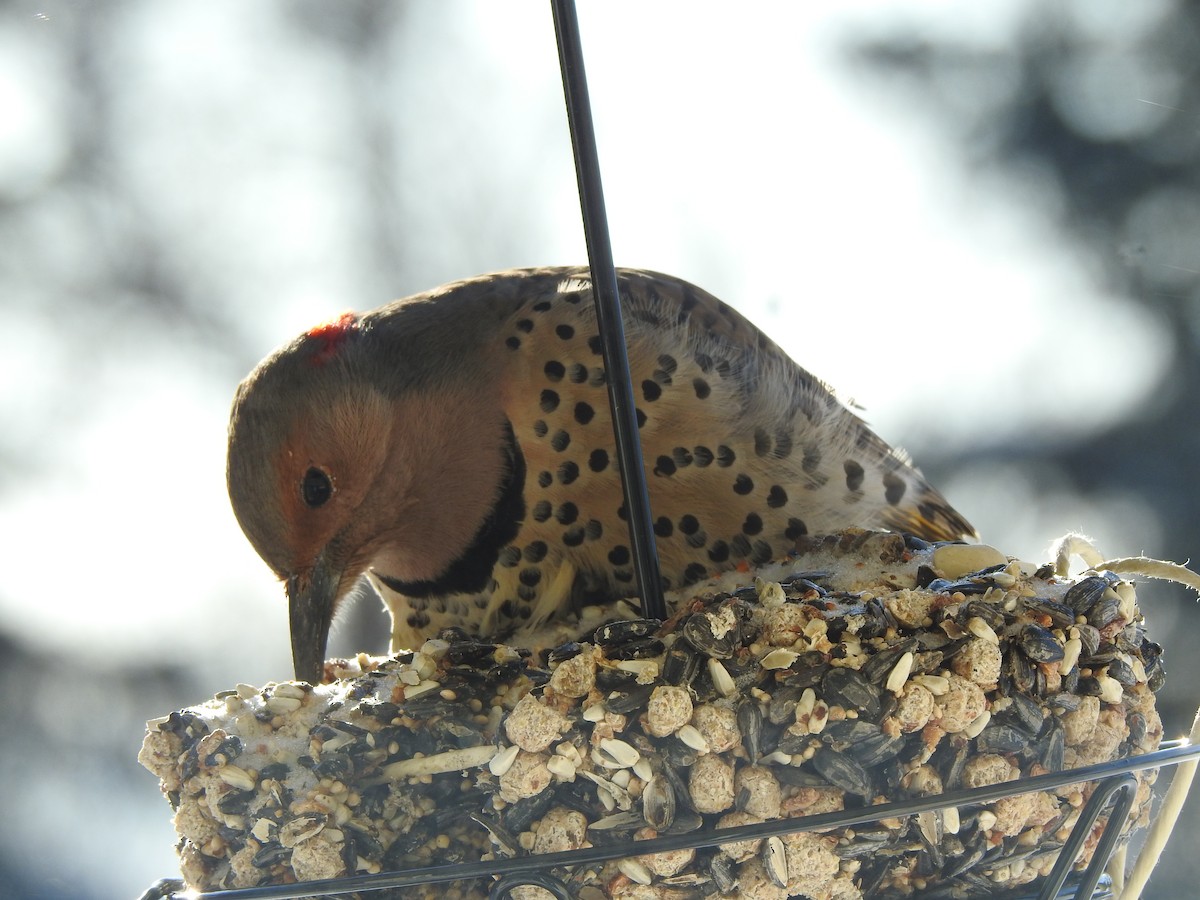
[(866, 668)]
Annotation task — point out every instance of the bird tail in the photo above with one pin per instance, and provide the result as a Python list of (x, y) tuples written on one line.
[(931, 517)]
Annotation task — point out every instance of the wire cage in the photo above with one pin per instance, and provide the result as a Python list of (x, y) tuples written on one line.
[(1115, 790), (560, 873)]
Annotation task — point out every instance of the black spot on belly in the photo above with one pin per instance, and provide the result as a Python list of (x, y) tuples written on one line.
[(541, 511), (776, 497), (664, 466), (549, 401), (641, 418), (689, 524), (554, 370), (725, 456), (740, 545), (743, 485), (753, 524), (573, 537), (811, 460), (525, 325), (530, 576), (568, 472), (796, 529), (651, 390), (762, 442), (682, 457), (701, 387), (718, 552), (417, 619), (695, 572), (667, 364), (697, 540), (663, 527), (704, 361), (594, 529), (623, 575), (545, 479), (619, 555), (567, 513), (761, 553), (540, 428), (535, 551), (541, 306), (584, 413), (594, 345), (560, 440), (854, 475), (598, 461), (702, 456), (783, 444), (527, 593), (651, 318), (894, 488), (513, 343), (509, 557), (564, 331), (577, 373), (688, 303)]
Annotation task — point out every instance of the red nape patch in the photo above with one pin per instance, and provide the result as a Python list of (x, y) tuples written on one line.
[(330, 336)]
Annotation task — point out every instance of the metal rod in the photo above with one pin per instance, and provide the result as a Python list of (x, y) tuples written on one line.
[(608, 310), (502, 889), (1083, 828), (1117, 818)]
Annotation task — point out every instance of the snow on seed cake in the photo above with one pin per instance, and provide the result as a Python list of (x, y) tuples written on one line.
[(865, 669)]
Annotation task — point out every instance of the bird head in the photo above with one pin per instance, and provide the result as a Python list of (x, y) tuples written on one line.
[(339, 463)]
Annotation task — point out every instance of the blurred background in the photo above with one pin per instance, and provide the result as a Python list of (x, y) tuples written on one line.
[(979, 221)]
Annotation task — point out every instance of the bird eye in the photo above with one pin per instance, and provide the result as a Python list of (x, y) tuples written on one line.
[(316, 488)]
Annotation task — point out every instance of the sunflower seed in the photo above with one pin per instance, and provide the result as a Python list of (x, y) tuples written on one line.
[(780, 658), (502, 761), (774, 858), (236, 777), (635, 871), (899, 674), (691, 736), (721, 678), (1040, 644), (658, 803), (623, 752)]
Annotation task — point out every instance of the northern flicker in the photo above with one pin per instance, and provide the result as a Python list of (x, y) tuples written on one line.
[(457, 447)]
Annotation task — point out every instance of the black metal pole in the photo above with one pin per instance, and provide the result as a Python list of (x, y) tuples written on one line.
[(608, 310)]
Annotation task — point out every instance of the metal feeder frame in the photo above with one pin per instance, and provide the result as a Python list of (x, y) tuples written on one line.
[(1115, 791)]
